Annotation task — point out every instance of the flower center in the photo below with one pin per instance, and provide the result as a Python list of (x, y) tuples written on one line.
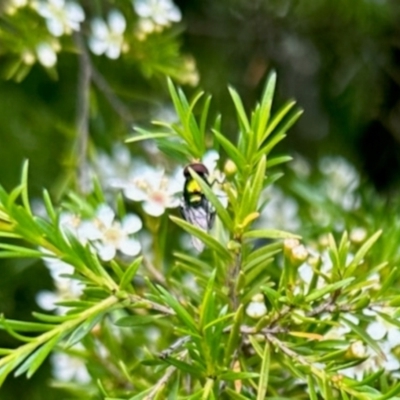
[(113, 235), (159, 197)]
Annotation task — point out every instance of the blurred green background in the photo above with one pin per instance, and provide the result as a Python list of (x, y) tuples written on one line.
[(339, 59)]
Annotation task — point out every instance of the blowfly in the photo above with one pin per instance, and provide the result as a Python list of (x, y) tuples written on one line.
[(195, 207)]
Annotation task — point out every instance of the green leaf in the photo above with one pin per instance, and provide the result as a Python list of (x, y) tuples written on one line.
[(316, 294), (184, 367), (235, 395), (266, 251), (204, 236), (83, 329), (208, 304), (274, 161), (191, 125), (269, 234), (230, 150), (204, 114), (277, 118), (254, 262), (24, 181), (233, 376), (140, 396), (256, 346), (221, 211), (218, 321), (243, 121), (265, 150), (257, 185), (23, 326), (181, 313), (264, 373), (363, 250), (137, 320), (265, 107), (202, 266), (49, 206), (286, 125), (311, 388), (130, 273), (35, 360), (255, 272), (19, 251), (389, 395), (4, 371), (51, 317), (234, 336), (144, 135)]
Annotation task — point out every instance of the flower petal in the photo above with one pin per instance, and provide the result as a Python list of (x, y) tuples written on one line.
[(55, 26), (117, 21), (106, 252), (131, 223), (46, 55), (88, 231), (75, 12), (132, 192), (105, 214), (376, 330), (113, 51), (46, 300), (130, 247), (153, 208)]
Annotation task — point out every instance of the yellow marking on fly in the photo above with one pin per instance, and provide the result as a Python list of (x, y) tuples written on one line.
[(195, 198), (193, 187)]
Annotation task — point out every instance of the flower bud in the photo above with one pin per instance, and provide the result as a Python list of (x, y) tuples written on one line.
[(358, 235), (256, 308), (356, 350), (230, 168)]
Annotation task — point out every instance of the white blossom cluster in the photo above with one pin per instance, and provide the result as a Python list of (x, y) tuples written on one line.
[(155, 15), (341, 180), (63, 17), (153, 187)]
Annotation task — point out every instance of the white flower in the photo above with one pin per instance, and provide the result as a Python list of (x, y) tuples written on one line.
[(341, 180), (61, 17), (380, 328), (373, 363), (108, 38), (46, 54), (215, 176), (155, 14), (358, 235), (339, 331), (116, 165), (154, 189), (66, 289), (109, 236), (67, 368)]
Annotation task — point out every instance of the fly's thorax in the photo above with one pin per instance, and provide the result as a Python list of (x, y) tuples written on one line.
[(192, 192)]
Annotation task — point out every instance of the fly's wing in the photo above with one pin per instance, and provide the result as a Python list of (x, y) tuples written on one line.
[(200, 216)]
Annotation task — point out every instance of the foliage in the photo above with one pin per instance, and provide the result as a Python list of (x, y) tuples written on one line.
[(296, 290), (255, 315)]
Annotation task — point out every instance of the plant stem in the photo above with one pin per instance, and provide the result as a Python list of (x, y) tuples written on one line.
[(82, 112), (161, 383)]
